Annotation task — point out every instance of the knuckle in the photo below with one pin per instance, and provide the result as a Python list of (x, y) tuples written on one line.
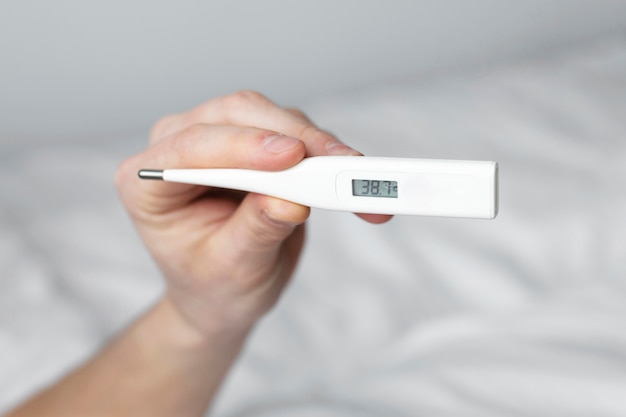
[(309, 132), (182, 143), (163, 127), (188, 135), (267, 231), (244, 97), (298, 113)]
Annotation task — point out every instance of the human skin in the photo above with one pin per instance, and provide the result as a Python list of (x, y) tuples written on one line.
[(226, 257)]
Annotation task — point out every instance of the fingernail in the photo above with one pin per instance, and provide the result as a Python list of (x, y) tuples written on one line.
[(280, 143), (338, 148)]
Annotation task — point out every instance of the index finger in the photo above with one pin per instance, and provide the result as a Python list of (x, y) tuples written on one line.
[(203, 146), (249, 108)]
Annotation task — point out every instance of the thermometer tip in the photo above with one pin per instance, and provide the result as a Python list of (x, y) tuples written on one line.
[(150, 174)]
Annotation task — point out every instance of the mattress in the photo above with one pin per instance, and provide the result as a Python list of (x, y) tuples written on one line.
[(523, 315)]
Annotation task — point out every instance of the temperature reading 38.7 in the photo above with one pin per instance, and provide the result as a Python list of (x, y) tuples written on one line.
[(375, 188)]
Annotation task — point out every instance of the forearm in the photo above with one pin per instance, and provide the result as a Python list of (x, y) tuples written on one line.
[(160, 366)]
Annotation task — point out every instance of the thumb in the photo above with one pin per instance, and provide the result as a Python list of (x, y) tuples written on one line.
[(259, 229)]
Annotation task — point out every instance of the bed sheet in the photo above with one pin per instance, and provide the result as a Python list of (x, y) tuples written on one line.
[(522, 316)]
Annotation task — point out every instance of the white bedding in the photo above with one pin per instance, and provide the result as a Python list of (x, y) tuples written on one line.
[(521, 316)]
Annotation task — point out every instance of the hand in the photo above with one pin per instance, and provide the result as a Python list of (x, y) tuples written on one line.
[(226, 255)]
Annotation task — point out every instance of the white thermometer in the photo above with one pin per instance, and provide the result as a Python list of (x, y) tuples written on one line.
[(362, 184)]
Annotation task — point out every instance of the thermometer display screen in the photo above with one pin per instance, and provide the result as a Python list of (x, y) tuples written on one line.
[(375, 188)]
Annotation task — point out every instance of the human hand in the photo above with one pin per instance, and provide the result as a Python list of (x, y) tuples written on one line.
[(226, 255)]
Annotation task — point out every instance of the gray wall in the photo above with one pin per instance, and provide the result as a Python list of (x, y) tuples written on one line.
[(73, 68)]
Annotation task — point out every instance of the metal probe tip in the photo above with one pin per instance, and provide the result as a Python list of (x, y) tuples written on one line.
[(150, 174)]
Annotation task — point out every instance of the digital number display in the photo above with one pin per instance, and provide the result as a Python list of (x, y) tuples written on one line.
[(375, 188)]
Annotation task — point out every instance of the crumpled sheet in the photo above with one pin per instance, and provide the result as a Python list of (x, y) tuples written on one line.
[(524, 315)]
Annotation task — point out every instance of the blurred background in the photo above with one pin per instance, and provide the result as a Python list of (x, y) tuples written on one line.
[(520, 316), (92, 69)]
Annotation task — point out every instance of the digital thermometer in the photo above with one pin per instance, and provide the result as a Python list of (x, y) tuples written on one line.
[(362, 184)]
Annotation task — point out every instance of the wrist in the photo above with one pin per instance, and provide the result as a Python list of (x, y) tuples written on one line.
[(171, 325)]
